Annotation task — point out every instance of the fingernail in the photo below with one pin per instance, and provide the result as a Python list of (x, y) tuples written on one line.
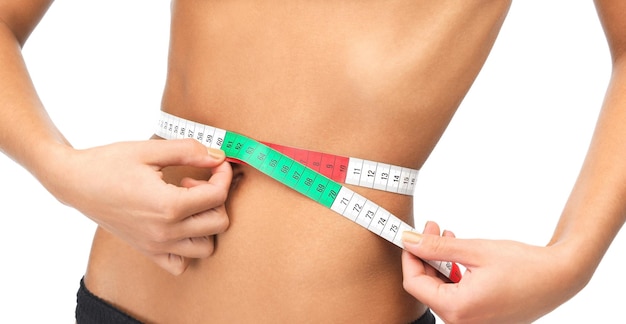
[(425, 226), (411, 237), (216, 154)]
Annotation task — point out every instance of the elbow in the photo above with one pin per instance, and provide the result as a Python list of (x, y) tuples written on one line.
[(20, 18)]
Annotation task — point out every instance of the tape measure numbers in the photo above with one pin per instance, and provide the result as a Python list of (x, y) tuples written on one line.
[(354, 171), (324, 189)]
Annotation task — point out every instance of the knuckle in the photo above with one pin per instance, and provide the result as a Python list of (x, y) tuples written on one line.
[(152, 248), (407, 285), (192, 146), (218, 193), (210, 248), (438, 245), (202, 246), (159, 235), (222, 223), (176, 268), (434, 243), (169, 212), (189, 143), (221, 195)]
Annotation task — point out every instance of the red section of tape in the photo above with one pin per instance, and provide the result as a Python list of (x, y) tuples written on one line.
[(333, 166), (455, 273)]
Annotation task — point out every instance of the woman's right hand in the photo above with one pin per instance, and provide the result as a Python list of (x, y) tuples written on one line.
[(120, 186)]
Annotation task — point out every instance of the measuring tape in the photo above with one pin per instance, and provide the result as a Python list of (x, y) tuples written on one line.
[(353, 171), (312, 178)]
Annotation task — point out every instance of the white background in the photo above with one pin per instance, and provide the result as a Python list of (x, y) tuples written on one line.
[(504, 169)]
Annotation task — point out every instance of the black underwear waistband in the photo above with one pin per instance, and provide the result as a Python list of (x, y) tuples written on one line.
[(91, 309)]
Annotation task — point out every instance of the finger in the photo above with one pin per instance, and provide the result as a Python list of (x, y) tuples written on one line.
[(194, 247), (448, 248), (448, 233), (204, 195), (209, 222), (180, 152), (431, 228), (174, 264), (190, 182), (412, 264), (221, 176), (424, 287), (195, 236)]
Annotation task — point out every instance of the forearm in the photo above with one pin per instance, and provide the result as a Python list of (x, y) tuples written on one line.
[(596, 208), (27, 133)]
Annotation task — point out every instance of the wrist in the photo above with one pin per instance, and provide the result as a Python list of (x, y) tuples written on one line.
[(577, 261), (52, 165)]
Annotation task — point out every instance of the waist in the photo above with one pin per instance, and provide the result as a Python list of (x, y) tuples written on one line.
[(276, 261), (283, 256)]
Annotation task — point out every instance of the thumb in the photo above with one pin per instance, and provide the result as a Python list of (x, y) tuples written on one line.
[(181, 152), (441, 248), (418, 280)]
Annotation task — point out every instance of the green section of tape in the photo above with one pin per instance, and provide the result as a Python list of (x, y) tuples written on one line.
[(282, 168)]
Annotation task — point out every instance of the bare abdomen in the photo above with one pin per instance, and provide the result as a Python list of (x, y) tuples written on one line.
[(284, 257)]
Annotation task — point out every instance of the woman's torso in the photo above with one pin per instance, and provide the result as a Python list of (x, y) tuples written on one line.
[(377, 80)]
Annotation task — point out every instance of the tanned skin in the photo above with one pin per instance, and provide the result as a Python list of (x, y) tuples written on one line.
[(198, 240)]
